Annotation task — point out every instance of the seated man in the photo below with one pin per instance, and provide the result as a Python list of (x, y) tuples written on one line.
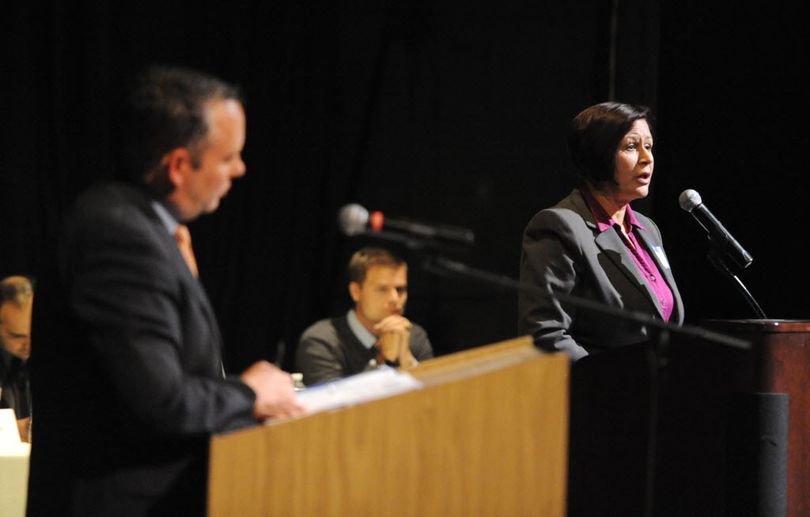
[(371, 334), (16, 300)]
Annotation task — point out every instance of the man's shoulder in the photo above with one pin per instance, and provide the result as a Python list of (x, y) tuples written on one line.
[(111, 208), (327, 329), (109, 192), (115, 220), (111, 202), (420, 343), (417, 328)]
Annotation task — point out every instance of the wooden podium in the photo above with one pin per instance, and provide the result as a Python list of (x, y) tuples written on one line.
[(780, 364), (695, 427), (487, 435), (649, 429)]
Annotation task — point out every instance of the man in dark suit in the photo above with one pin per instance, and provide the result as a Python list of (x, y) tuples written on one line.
[(16, 302), (128, 382)]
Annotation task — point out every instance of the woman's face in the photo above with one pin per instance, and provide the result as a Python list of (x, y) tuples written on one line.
[(634, 163)]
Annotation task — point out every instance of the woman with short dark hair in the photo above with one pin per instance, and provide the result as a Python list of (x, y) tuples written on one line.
[(592, 245)]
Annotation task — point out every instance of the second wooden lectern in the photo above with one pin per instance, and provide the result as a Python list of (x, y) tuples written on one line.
[(486, 435)]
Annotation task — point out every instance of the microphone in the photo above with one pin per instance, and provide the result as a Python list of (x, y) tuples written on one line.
[(353, 219), (692, 203)]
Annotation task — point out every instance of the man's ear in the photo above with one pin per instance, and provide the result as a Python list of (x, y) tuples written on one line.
[(177, 163), (354, 291)]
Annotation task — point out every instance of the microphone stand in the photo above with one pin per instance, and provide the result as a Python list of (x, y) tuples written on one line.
[(446, 267), (655, 352), (717, 259)]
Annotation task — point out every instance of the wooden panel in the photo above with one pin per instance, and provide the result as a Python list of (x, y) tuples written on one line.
[(518, 348), (488, 443), (782, 365)]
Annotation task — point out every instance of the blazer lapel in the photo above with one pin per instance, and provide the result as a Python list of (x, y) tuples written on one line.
[(196, 287), (610, 242), (614, 248), (193, 284), (665, 270)]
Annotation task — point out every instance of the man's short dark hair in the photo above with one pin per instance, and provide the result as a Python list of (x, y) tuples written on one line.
[(17, 289), (594, 137), (363, 259), (166, 110)]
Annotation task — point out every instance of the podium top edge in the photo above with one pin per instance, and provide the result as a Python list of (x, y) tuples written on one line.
[(758, 325)]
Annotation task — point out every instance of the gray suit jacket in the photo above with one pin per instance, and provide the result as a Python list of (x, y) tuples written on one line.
[(564, 252), (126, 370)]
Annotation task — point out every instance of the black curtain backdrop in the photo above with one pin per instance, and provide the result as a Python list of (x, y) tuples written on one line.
[(734, 111), (426, 111)]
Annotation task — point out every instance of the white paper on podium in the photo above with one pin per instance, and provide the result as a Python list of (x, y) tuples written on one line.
[(9, 433), (14, 455), (374, 384)]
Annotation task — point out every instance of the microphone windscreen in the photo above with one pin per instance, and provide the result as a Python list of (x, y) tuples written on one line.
[(689, 199), (352, 219)]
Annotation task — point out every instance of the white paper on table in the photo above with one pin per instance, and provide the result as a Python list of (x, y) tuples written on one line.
[(375, 384)]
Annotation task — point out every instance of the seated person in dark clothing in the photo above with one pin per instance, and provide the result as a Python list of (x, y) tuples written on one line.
[(373, 333), (16, 301)]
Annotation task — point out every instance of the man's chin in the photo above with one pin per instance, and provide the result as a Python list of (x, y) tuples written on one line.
[(212, 207)]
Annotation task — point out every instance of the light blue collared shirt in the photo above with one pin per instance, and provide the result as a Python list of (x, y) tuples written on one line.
[(366, 338), (166, 217)]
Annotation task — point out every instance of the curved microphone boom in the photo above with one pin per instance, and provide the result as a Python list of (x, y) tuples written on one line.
[(691, 202), (354, 219)]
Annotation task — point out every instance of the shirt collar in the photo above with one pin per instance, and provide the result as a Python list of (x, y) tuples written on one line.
[(166, 217), (603, 220), (632, 219), (361, 333)]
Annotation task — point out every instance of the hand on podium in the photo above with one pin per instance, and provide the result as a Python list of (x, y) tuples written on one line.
[(275, 396)]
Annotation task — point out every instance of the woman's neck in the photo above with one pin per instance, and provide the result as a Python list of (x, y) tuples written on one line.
[(615, 209)]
